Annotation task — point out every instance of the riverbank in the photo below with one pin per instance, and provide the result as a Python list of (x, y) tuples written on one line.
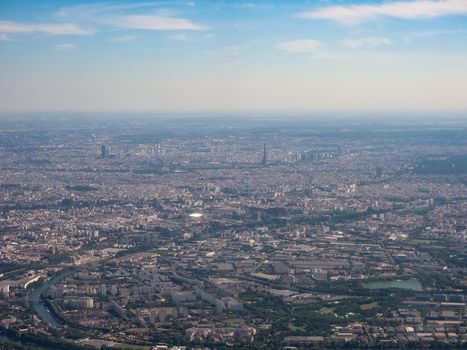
[(42, 309)]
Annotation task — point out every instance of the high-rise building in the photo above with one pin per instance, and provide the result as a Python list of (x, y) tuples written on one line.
[(379, 171), (264, 161), (102, 289), (103, 151)]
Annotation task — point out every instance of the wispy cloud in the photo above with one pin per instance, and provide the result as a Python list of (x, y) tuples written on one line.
[(428, 34), (299, 46), (144, 16), (91, 11), (227, 53), (4, 37), (180, 37), (366, 42), (124, 39), (230, 64), (9, 27), (154, 22), (66, 47), (248, 5), (353, 14), (234, 50)]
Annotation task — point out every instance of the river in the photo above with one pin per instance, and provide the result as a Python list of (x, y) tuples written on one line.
[(38, 305)]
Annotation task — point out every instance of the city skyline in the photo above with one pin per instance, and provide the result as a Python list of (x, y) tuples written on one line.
[(182, 56)]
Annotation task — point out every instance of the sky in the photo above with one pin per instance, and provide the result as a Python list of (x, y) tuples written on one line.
[(233, 56)]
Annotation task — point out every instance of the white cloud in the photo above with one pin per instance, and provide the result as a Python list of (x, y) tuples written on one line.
[(66, 47), (93, 11), (366, 42), (47, 28), (233, 49), (180, 37), (230, 64), (154, 22), (146, 16), (427, 34), (299, 46), (124, 39), (4, 37), (247, 5), (353, 14)]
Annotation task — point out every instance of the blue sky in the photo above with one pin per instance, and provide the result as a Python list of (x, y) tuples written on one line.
[(233, 55)]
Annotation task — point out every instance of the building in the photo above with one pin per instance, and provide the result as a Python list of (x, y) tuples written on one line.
[(379, 172), (103, 151), (264, 161)]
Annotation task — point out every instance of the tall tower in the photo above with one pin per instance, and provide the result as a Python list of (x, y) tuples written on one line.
[(264, 161), (379, 171), (103, 151)]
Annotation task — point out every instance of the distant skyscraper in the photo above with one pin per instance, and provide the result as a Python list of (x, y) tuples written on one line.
[(379, 171), (103, 151), (264, 161)]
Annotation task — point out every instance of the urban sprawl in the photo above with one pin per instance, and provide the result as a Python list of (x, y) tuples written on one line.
[(212, 233)]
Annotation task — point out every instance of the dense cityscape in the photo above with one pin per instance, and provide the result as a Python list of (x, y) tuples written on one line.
[(191, 232)]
